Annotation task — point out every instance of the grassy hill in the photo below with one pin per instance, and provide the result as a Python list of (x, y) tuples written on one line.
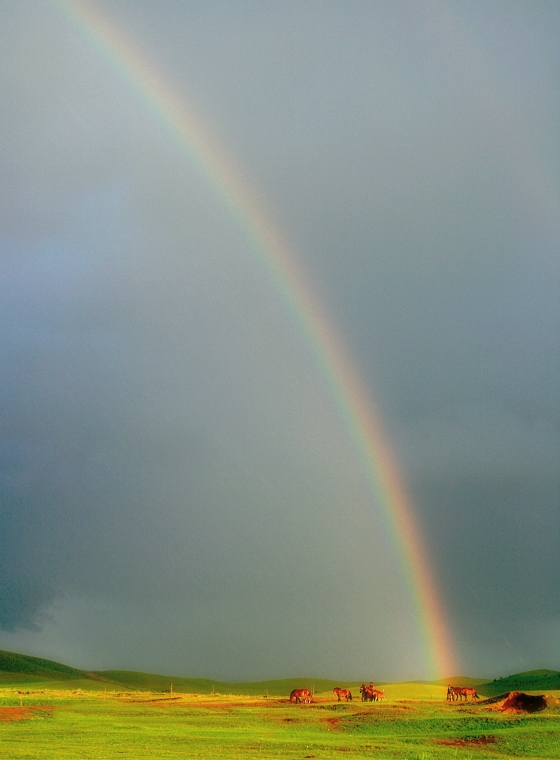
[(530, 680), (22, 667)]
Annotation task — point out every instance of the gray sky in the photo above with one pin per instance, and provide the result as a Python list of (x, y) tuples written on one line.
[(178, 492)]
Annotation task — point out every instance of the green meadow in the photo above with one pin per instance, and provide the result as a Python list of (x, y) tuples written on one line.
[(118, 714)]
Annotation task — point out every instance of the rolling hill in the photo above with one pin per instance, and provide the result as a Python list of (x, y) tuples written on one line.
[(21, 668), (460, 681), (530, 680)]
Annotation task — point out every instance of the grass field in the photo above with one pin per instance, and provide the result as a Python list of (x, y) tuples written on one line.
[(415, 723)]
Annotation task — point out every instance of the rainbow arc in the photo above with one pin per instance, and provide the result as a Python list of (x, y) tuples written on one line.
[(289, 280)]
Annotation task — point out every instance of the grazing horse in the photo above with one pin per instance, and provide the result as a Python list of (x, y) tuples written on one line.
[(298, 695), (338, 692), (470, 692)]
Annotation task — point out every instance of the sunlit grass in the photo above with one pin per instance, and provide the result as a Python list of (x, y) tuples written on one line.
[(107, 724)]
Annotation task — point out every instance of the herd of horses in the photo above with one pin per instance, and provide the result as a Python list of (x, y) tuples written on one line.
[(455, 693), (371, 694), (300, 695)]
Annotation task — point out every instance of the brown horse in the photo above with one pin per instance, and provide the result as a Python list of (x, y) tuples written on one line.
[(338, 692), (454, 693), (470, 692), (378, 696), (367, 693), (298, 695)]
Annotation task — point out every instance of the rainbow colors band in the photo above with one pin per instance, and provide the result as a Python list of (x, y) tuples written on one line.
[(286, 274)]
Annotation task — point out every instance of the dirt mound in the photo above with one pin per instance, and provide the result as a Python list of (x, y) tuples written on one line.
[(521, 702), (517, 702)]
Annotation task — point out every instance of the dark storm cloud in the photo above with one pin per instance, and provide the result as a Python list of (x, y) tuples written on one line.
[(178, 491)]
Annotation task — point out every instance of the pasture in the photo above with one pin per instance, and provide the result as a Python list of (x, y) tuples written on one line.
[(415, 723)]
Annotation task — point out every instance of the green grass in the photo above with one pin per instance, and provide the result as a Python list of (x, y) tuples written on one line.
[(145, 725), (64, 713)]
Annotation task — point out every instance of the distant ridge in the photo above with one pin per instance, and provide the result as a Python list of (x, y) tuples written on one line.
[(460, 681), (136, 681), (278, 687), (22, 668)]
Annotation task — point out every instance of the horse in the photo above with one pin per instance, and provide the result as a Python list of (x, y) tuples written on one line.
[(298, 695), (453, 693), (367, 693), (378, 696), (338, 692), (470, 692)]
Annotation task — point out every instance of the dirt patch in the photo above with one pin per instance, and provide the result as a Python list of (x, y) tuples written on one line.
[(244, 703), (227, 705), (22, 713), (468, 741), (332, 723), (204, 701)]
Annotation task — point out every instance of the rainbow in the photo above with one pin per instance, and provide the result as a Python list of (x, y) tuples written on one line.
[(337, 369)]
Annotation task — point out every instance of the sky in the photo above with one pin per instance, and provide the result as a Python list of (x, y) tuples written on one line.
[(180, 489)]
